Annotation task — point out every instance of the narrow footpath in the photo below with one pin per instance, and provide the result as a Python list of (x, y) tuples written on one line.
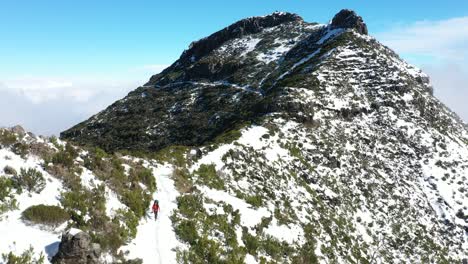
[(155, 241)]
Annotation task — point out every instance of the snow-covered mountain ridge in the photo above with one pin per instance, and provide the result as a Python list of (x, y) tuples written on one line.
[(273, 140)]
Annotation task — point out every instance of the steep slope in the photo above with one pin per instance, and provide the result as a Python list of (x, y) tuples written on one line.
[(295, 142)]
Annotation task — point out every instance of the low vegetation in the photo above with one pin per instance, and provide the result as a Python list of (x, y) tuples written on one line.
[(7, 138), (212, 237), (27, 257), (30, 180), (208, 176), (7, 198), (50, 215)]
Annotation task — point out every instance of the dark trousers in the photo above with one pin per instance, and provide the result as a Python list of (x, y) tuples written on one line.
[(155, 215)]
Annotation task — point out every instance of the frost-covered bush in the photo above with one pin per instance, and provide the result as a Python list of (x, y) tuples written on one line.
[(144, 176), (7, 199), (207, 174), (20, 149), (65, 156), (7, 138), (27, 257), (137, 200), (45, 214), (30, 179)]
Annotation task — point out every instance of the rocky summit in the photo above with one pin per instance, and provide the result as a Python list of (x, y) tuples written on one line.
[(273, 140), (237, 74)]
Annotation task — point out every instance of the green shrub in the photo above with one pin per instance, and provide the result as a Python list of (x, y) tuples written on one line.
[(112, 234), (189, 205), (228, 137), (251, 242), (137, 200), (54, 141), (109, 239), (95, 159), (30, 179), (27, 257), (182, 180), (275, 248), (208, 176), (114, 173), (6, 187), (65, 157), (131, 223), (81, 202), (7, 138), (20, 149), (45, 214), (7, 199), (172, 154), (254, 200), (186, 230), (146, 177)]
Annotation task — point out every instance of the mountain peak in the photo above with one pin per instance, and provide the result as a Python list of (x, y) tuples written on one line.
[(347, 18)]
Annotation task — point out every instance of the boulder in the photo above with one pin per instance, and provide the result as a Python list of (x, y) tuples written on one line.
[(76, 248), (19, 130)]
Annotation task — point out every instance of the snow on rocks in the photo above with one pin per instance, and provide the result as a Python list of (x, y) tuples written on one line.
[(288, 233), (249, 216)]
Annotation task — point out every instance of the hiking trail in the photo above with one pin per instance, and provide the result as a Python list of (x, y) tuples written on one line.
[(156, 239)]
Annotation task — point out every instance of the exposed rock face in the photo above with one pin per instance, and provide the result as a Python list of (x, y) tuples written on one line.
[(241, 28), (349, 19), (19, 130), (77, 249)]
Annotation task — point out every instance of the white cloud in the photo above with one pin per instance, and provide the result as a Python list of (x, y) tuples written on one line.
[(441, 49), (443, 39), (40, 90), (451, 82), (49, 105), (49, 109)]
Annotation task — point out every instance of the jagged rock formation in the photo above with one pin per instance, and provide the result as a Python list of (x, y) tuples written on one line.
[(349, 19), (239, 29), (334, 151), (76, 248)]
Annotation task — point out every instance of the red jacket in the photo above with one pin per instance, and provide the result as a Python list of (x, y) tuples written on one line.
[(155, 207)]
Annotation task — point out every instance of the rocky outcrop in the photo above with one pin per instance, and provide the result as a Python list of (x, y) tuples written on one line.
[(77, 248), (349, 19), (241, 28), (19, 130)]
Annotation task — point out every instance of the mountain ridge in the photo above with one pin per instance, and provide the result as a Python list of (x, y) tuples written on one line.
[(219, 68)]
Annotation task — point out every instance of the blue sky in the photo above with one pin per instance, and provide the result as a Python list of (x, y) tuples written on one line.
[(119, 44)]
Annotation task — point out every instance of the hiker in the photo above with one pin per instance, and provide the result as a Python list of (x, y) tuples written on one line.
[(156, 209)]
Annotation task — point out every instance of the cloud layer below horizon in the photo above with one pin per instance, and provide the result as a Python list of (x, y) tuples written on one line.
[(49, 105)]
